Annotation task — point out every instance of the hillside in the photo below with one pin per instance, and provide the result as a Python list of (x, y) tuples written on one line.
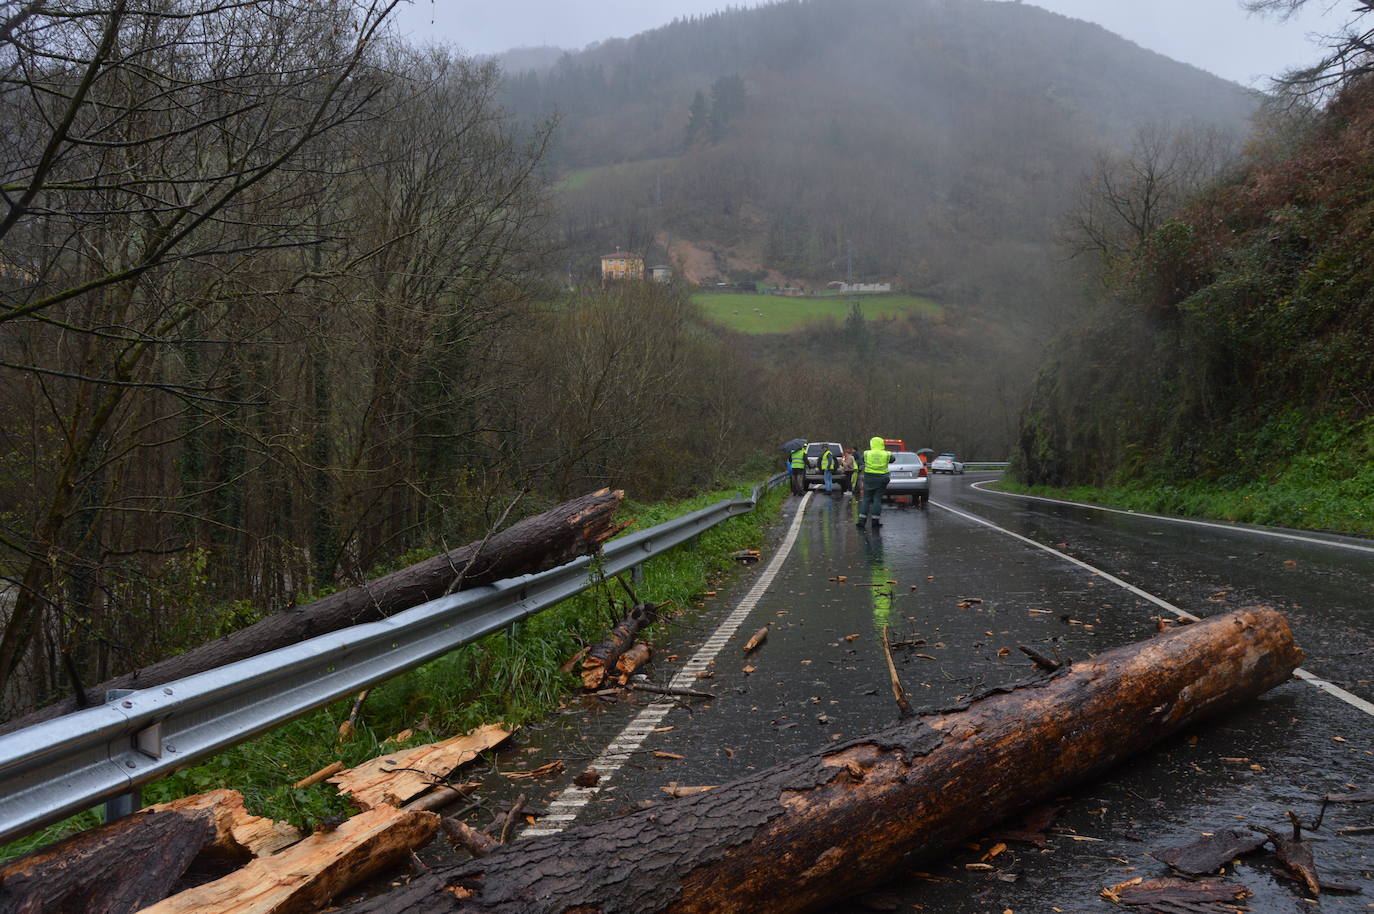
[(1234, 361), (933, 144)]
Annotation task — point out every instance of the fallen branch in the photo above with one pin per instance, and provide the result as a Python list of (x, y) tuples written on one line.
[(351, 723), (460, 834), (783, 840), (669, 690), (903, 705), (557, 536), (601, 659), (512, 817)]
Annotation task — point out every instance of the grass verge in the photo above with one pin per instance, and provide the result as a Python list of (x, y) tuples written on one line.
[(748, 313), (511, 676), (1319, 497)]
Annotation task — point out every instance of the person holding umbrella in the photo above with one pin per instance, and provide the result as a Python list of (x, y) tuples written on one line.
[(796, 451)]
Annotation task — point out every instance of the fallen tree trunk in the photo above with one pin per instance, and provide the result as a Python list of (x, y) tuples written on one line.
[(824, 827), (140, 859), (305, 877), (547, 540)]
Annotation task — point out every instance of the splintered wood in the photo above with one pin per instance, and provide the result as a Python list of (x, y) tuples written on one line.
[(392, 780), (305, 877)]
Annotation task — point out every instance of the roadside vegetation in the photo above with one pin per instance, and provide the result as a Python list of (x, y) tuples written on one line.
[(511, 677), (1227, 368), (1316, 478), (749, 313)]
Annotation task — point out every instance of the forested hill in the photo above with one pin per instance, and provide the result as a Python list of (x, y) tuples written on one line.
[(918, 133)]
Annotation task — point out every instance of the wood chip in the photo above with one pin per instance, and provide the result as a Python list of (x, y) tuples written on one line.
[(675, 790)]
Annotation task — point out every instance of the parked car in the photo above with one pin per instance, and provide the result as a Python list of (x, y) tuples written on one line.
[(814, 474), (908, 476), (946, 463)]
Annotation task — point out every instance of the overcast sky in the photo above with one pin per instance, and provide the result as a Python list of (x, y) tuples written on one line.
[(1216, 35)]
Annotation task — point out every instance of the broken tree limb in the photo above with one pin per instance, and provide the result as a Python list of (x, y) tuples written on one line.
[(460, 834), (559, 535), (632, 660), (669, 690), (784, 840), (601, 659), (351, 723), (1040, 659), (756, 639), (140, 859), (311, 779), (898, 692)]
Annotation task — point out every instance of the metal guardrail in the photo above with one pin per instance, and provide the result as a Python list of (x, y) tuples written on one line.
[(60, 767), (985, 464)]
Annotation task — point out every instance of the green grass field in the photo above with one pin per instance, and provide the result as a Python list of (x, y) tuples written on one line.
[(749, 313)]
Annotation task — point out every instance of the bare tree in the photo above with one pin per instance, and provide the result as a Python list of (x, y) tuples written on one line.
[(1349, 53), (149, 160), (1127, 196)]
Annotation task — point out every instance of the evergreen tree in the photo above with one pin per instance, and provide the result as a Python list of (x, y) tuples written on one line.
[(697, 119)]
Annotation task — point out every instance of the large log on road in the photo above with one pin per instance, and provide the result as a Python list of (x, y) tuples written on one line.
[(821, 828), (547, 540)]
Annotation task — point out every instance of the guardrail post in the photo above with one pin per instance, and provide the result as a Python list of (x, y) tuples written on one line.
[(637, 574), (126, 803)]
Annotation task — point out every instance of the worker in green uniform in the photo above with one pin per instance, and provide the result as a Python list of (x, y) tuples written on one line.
[(875, 462), (827, 467), (798, 468)]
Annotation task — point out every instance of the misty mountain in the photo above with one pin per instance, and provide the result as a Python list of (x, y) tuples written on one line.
[(934, 143)]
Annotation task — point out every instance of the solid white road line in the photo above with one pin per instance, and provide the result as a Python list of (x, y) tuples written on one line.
[(1277, 534), (1327, 687), (570, 802)]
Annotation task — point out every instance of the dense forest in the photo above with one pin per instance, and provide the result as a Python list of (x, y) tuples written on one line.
[(272, 315)]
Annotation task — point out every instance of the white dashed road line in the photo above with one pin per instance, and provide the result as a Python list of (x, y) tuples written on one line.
[(1316, 681), (563, 810)]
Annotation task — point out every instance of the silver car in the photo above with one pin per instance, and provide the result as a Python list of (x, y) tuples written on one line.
[(946, 463), (907, 475)]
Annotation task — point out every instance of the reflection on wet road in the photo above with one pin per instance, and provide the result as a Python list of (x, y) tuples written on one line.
[(958, 598)]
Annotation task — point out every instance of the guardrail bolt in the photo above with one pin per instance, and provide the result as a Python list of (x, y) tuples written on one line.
[(166, 691), (127, 704), (130, 764)]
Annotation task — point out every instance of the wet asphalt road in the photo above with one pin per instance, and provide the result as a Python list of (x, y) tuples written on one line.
[(965, 597)]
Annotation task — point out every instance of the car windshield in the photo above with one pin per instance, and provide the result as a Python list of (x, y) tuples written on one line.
[(904, 457)]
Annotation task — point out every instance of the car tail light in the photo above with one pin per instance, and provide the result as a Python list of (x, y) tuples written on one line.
[(923, 471)]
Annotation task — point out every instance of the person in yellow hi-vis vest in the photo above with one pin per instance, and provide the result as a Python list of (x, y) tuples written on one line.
[(798, 468), (874, 462)]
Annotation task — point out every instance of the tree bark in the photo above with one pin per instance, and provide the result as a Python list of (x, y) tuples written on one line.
[(601, 660), (818, 829), (547, 540), (140, 859)]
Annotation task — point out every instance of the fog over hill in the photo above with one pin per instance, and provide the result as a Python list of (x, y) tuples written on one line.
[(937, 141)]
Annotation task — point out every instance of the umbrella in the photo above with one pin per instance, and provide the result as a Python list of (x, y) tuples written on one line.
[(792, 445), (925, 450)]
